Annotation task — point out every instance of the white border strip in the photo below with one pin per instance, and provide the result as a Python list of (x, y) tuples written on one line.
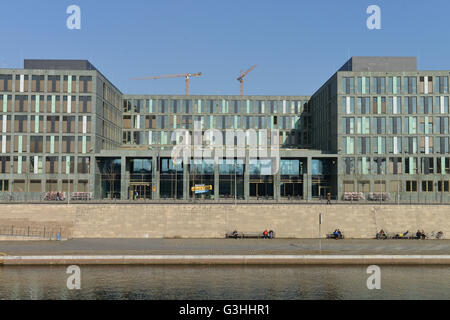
[(228, 257)]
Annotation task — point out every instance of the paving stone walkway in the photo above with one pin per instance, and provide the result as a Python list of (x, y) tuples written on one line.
[(223, 246)]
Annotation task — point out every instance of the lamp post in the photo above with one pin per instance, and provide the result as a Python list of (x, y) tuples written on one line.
[(320, 233), (68, 190), (235, 182)]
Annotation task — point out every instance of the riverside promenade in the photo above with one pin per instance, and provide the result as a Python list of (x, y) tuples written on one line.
[(225, 251)]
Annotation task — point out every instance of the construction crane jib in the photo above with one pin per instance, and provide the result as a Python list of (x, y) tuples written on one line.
[(242, 76), (187, 77)]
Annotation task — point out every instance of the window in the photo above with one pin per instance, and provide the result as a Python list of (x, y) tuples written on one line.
[(19, 186), (84, 124), (83, 165), (127, 105), (379, 125), (36, 165), (410, 85), (21, 103), (85, 104), (394, 85), (36, 144), (363, 85), (443, 165), (443, 186), (54, 84), (5, 123), (347, 105), (21, 83), (85, 84), (53, 104), (19, 164), (426, 85), (363, 165), (5, 164), (68, 124), (68, 105), (84, 143), (51, 165), (67, 165), (4, 185), (37, 104), (363, 145), (69, 84), (379, 85), (52, 124), (5, 82), (427, 165), (37, 83), (83, 186), (5, 103), (348, 145), (426, 105), (411, 186), (348, 85), (395, 166), (349, 165), (427, 186), (68, 144), (51, 185), (20, 123), (441, 84)]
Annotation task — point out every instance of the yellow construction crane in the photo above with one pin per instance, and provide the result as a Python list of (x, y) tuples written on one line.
[(187, 76), (241, 78)]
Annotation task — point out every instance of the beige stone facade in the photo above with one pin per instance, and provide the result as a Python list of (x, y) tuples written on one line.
[(213, 221)]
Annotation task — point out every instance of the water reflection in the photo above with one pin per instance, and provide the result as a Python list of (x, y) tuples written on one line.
[(225, 282)]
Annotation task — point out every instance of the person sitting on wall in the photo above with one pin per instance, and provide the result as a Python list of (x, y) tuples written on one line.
[(265, 233), (381, 234), (339, 234), (336, 234), (402, 235), (271, 234), (235, 234), (418, 234)]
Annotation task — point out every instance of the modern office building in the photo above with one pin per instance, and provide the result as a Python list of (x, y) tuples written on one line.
[(378, 129)]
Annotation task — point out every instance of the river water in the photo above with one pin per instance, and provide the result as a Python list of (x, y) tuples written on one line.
[(225, 282)]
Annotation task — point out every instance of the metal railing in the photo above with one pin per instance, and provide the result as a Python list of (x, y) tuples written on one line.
[(50, 233), (347, 198)]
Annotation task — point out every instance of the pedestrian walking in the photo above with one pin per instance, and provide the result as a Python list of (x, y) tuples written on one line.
[(328, 198)]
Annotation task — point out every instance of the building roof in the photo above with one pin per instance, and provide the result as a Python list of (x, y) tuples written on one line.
[(388, 64), (54, 64)]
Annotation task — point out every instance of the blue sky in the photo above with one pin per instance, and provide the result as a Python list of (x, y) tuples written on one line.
[(297, 44)]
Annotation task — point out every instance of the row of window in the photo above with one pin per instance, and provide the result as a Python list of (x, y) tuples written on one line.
[(214, 106), (40, 164), (38, 83), (49, 104), (394, 105), (396, 186), (394, 145), (211, 122), (49, 124), (20, 185), (395, 125), (409, 165), (285, 138), (395, 85), (53, 144)]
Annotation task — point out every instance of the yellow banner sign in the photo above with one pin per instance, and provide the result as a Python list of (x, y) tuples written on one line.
[(201, 188)]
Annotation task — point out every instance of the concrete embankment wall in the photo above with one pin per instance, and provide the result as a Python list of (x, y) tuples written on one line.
[(213, 221)]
